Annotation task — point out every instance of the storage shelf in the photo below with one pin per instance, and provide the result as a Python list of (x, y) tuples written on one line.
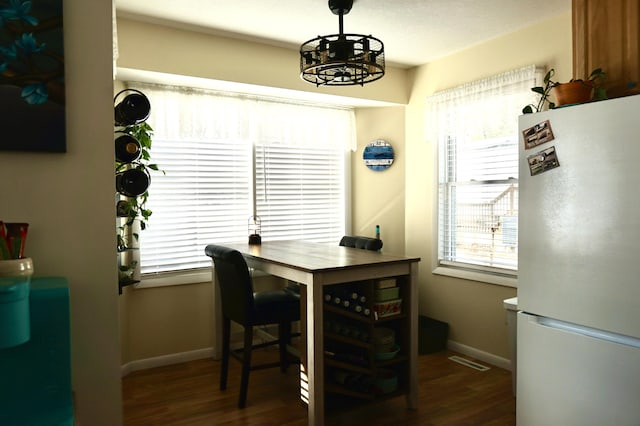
[(348, 340), (348, 366), (345, 345), (335, 388), (343, 312), (340, 390), (395, 360)]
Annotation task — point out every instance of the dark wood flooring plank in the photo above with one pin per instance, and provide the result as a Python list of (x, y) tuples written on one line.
[(187, 395)]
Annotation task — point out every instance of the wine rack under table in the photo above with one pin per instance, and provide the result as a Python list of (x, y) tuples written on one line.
[(354, 367)]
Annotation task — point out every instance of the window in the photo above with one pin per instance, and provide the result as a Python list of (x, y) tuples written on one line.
[(207, 143), (476, 128)]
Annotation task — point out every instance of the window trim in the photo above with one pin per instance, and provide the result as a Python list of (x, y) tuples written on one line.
[(189, 276), (487, 275), (446, 269), (459, 270), (482, 274), (203, 275), (199, 273), (185, 277)]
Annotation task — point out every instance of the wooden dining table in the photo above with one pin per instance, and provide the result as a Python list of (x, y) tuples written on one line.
[(315, 266)]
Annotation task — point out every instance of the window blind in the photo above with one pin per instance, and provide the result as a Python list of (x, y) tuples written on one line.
[(476, 129), (300, 192), (203, 142), (203, 197)]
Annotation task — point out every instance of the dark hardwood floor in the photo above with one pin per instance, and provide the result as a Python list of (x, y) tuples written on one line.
[(188, 394)]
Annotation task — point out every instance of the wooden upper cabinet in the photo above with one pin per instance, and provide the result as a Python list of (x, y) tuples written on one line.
[(606, 35)]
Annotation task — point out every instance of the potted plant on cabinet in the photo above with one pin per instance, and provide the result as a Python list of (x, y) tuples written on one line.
[(576, 91)]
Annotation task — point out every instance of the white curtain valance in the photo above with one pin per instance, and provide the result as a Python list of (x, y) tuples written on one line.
[(244, 118), (481, 109)]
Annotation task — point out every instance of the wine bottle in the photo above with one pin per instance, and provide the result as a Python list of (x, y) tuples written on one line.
[(133, 109), (357, 298), (121, 208), (128, 148), (132, 182), (340, 376), (356, 333), (347, 331)]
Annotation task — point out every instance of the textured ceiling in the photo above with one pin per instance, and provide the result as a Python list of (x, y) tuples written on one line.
[(414, 31)]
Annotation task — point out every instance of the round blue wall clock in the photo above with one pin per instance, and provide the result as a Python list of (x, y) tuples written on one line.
[(378, 155)]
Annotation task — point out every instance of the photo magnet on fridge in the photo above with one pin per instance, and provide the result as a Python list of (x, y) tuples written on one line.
[(542, 161), (537, 135)]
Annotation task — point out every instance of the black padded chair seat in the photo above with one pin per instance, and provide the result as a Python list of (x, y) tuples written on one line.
[(274, 306)]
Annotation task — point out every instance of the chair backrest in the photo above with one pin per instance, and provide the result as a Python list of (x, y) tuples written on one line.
[(361, 242), (236, 285)]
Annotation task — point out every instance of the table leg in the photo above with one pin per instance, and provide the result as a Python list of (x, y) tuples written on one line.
[(304, 379), (412, 396), (217, 318), (314, 366)]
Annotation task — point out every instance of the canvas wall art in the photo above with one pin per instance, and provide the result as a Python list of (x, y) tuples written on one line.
[(32, 89)]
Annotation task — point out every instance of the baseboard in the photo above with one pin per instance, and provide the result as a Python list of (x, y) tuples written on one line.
[(160, 361), (478, 354), (177, 358)]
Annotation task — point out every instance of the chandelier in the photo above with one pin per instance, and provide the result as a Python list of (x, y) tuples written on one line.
[(342, 59)]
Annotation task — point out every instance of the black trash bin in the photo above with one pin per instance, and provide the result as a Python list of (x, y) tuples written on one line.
[(432, 335)]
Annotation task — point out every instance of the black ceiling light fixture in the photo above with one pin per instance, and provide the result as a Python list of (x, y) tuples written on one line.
[(342, 59)]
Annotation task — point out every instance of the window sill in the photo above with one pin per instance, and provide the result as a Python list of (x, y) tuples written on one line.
[(480, 276), (194, 276)]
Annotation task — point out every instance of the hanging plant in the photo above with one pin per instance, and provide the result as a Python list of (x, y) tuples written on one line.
[(132, 180), (131, 206)]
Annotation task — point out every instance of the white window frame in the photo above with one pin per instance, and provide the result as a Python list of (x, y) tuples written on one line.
[(200, 275), (485, 274)]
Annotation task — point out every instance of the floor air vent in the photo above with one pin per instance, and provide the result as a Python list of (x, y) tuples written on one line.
[(469, 363)]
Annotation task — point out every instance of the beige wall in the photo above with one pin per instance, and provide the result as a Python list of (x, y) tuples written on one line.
[(162, 320), (473, 310), (170, 320), (156, 48), (167, 320), (68, 201), (378, 198)]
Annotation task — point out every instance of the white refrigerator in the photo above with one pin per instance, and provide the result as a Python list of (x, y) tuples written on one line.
[(578, 334)]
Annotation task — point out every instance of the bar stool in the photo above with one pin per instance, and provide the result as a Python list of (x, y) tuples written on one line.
[(241, 305)]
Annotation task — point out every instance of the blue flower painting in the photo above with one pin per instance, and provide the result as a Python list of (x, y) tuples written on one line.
[(32, 90)]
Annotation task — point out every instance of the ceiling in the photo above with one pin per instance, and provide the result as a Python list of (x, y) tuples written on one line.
[(414, 31)]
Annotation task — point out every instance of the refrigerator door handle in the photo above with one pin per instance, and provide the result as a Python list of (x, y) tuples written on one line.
[(586, 331)]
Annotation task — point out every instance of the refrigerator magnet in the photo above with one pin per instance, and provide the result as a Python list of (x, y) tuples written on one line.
[(537, 135), (542, 161)]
